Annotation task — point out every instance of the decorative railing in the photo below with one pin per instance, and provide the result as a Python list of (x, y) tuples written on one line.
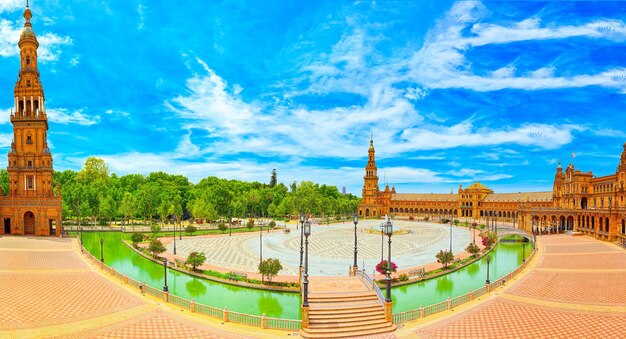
[(223, 314), (450, 303), (371, 282)]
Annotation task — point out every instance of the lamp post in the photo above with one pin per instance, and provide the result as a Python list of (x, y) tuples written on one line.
[(523, 250), (301, 236), (165, 289), (388, 231), (174, 237), (180, 231), (260, 242), (356, 221), (101, 250), (307, 231), (450, 236), (474, 227), (80, 230), (382, 240), (488, 261)]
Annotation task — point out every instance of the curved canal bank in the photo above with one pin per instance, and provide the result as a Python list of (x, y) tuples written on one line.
[(504, 259)]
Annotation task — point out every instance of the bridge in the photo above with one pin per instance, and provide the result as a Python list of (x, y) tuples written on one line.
[(506, 231)]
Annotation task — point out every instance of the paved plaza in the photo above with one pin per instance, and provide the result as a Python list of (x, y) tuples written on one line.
[(575, 289), (49, 290), (331, 248)]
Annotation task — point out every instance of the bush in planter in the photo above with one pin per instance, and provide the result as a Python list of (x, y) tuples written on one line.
[(272, 224), (250, 224), (403, 277), (136, 238), (472, 249), (191, 229), (222, 227)]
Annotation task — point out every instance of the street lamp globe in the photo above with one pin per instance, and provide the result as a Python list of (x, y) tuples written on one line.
[(307, 228), (388, 227)]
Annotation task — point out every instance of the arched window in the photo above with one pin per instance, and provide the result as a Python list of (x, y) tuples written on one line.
[(29, 183), (27, 61)]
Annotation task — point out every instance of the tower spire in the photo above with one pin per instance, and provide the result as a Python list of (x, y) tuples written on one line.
[(26, 3), (371, 138)]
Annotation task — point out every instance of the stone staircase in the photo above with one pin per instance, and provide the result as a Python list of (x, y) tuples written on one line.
[(351, 311)]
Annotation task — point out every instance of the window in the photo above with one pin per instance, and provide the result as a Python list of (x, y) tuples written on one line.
[(29, 183), (29, 140), (27, 83), (30, 163), (27, 60)]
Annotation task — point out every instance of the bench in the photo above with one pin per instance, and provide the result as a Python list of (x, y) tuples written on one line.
[(420, 272), (237, 276)]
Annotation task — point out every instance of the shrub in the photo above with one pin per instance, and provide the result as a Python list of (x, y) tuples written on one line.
[(156, 247), (444, 257), (222, 227), (136, 238), (472, 249), (195, 259), (191, 229), (489, 240), (155, 229), (269, 268), (382, 267), (250, 224), (272, 224), (403, 277)]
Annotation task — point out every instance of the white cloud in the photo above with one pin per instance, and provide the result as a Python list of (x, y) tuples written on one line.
[(140, 8), (441, 62), (5, 140), (11, 5), (64, 116), (5, 116), (75, 60), (466, 135), (50, 44)]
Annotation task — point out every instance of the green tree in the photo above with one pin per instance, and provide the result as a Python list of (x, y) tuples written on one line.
[(95, 169), (156, 247), (155, 230), (136, 238), (272, 224), (273, 178), (108, 207), (195, 259), (148, 198), (4, 181), (128, 206), (472, 249), (444, 257), (269, 268)]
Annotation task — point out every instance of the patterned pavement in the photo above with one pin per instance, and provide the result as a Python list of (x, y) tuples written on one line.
[(50, 290), (576, 290)]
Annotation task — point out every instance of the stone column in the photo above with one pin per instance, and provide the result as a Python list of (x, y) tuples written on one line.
[(305, 316), (388, 311)]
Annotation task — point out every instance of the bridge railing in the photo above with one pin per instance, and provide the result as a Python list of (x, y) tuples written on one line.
[(445, 305), (366, 277), (191, 305)]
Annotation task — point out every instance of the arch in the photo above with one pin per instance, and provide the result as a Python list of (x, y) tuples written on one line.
[(367, 212), (29, 222), (593, 222), (606, 226), (583, 203), (623, 226), (411, 210), (482, 213), (421, 210)]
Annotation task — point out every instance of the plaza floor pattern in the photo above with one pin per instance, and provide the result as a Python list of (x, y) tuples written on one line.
[(49, 290), (575, 290)]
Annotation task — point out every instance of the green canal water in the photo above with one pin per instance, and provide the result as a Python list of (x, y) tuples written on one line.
[(504, 259)]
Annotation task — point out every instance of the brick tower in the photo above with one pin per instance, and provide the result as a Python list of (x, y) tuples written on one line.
[(31, 206), (370, 206)]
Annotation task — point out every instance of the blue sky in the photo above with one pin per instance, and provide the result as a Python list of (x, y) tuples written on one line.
[(453, 92)]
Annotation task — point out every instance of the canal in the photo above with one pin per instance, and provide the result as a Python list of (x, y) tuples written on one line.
[(504, 259)]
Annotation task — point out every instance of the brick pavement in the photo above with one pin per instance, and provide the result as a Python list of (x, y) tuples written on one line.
[(575, 290), (49, 290)]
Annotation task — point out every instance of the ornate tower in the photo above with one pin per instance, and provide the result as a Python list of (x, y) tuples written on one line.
[(34, 209), (370, 204)]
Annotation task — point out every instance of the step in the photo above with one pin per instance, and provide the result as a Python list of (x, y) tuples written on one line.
[(347, 316), (357, 324), (344, 309), (342, 299), (337, 320), (335, 295), (347, 332)]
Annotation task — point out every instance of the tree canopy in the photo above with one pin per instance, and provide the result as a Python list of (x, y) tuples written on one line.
[(94, 194)]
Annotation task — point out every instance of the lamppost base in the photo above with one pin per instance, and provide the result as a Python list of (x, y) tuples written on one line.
[(353, 270), (300, 275), (388, 311), (305, 316)]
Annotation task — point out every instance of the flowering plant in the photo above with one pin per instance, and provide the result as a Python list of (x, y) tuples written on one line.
[(382, 267)]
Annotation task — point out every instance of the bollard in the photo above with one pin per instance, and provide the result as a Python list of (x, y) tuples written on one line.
[(143, 287), (192, 306), (449, 303), (421, 311), (166, 296), (263, 321), (471, 295), (126, 279), (225, 314)]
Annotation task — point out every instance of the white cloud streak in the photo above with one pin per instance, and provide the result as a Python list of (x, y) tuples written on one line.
[(65, 116)]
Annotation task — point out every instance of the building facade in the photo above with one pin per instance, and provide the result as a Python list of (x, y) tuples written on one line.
[(578, 202), (31, 206)]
